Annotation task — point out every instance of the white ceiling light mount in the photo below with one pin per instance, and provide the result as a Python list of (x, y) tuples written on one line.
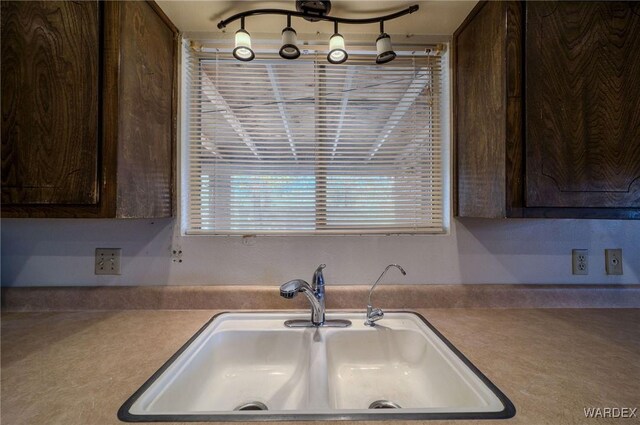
[(314, 11)]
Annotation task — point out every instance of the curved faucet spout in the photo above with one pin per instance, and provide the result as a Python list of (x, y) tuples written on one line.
[(375, 314), (382, 275)]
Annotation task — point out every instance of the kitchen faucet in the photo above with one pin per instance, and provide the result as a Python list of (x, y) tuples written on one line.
[(375, 314), (315, 295)]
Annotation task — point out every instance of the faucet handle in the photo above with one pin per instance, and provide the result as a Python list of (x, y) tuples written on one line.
[(318, 277)]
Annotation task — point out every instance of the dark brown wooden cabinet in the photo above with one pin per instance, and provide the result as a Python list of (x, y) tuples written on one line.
[(547, 110), (582, 62), (88, 109), (50, 85)]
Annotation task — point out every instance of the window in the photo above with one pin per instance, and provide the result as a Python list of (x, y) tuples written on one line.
[(306, 147)]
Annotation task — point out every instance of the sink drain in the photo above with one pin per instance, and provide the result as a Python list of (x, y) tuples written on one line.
[(384, 404), (253, 405)]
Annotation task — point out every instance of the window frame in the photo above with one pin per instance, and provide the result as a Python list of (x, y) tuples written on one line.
[(321, 229)]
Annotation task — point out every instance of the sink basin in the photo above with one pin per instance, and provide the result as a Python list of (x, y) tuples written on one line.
[(401, 366), (249, 366), (234, 367)]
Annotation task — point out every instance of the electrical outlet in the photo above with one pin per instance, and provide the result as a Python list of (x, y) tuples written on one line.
[(108, 260), (176, 255), (613, 261), (580, 261)]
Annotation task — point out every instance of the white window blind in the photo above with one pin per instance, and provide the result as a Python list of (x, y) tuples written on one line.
[(278, 146)]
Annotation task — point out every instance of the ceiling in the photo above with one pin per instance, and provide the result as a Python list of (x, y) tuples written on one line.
[(433, 18)]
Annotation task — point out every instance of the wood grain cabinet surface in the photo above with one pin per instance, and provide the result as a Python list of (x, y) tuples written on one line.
[(88, 109), (547, 110), (50, 84)]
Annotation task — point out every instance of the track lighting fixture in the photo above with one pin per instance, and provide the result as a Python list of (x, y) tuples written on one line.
[(337, 51), (242, 50), (314, 11), (289, 50), (383, 47)]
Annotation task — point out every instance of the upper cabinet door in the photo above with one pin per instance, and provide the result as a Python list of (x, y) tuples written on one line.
[(582, 62), (50, 80)]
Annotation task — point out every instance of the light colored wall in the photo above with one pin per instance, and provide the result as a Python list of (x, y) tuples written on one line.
[(39, 252), (60, 252)]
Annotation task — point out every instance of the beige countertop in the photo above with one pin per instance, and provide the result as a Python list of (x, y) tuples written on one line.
[(79, 367)]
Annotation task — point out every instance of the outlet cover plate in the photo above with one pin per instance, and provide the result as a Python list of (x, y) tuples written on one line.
[(613, 261), (108, 261), (580, 261)]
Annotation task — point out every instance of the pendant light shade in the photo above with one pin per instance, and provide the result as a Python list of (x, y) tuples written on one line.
[(383, 47), (385, 51), (289, 49), (243, 51), (337, 51)]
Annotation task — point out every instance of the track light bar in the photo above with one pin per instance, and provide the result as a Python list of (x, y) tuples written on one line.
[(337, 50), (223, 24)]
